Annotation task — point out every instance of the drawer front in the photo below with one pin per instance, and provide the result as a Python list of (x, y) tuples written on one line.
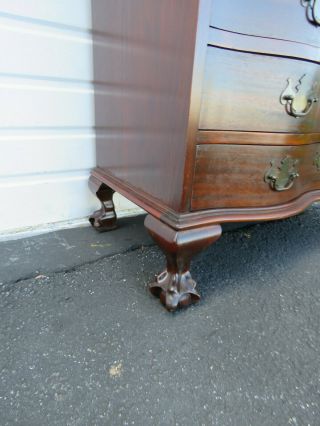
[(294, 20), (253, 176), (242, 91)]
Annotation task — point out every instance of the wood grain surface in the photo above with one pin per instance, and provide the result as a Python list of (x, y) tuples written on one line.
[(267, 46), (279, 19), (144, 50), (233, 175), (255, 138), (241, 91), (169, 91)]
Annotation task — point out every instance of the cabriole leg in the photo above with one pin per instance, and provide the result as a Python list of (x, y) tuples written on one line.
[(175, 286), (104, 219)]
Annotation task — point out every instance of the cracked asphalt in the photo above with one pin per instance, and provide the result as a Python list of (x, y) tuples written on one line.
[(82, 342)]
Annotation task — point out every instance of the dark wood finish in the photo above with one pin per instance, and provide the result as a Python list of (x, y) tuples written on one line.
[(193, 219), (189, 119), (277, 19), (145, 200), (104, 219), (195, 100), (199, 218), (254, 138), (175, 286), (233, 175), (266, 46), (241, 91), (143, 51)]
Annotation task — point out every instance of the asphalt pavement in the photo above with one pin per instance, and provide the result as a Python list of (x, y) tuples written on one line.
[(83, 343)]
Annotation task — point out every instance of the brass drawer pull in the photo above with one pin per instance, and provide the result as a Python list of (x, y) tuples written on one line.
[(281, 178), (313, 10), (298, 100)]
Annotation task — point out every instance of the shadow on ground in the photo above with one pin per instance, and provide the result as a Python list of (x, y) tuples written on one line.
[(90, 346)]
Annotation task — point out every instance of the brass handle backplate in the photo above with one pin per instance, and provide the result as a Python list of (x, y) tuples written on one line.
[(281, 178), (298, 100), (313, 10)]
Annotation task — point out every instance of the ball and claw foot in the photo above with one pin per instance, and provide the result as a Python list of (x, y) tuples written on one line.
[(175, 290), (175, 286), (104, 219)]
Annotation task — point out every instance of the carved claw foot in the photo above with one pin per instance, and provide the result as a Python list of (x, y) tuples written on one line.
[(104, 219), (175, 290), (175, 286)]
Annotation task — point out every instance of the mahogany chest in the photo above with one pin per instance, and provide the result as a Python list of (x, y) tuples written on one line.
[(212, 116)]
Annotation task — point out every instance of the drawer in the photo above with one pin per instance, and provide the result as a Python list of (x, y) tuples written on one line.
[(240, 175), (241, 91), (293, 20)]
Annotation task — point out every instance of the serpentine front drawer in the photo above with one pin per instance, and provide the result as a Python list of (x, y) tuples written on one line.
[(294, 20), (253, 176), (241, 91)]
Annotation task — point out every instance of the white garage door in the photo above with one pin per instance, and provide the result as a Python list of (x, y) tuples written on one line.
[(47, 140)]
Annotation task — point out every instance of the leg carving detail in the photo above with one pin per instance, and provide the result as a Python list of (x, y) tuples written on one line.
[(175, 286), (104, 219)]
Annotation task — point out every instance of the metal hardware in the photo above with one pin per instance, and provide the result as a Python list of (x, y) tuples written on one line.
[(313, 10), (281, 178), (298, 100), (316, 161)]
